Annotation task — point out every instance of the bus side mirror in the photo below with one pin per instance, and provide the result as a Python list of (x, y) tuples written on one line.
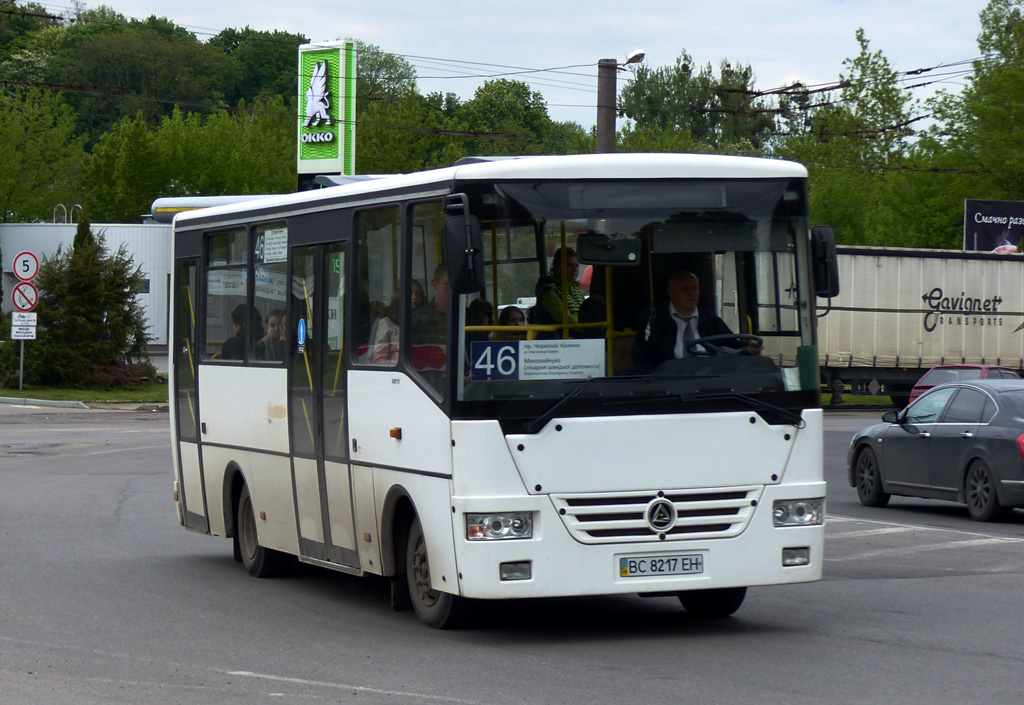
[(824, 265), (464, 254)]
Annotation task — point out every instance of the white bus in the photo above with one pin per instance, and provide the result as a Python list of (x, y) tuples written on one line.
[(339, 398)]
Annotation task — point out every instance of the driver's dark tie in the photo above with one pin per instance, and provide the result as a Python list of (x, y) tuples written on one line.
[(688, 336)]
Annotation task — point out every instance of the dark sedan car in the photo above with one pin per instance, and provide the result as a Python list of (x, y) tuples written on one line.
[(962, 442)]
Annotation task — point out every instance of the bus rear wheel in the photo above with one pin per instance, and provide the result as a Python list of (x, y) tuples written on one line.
[(712, 604), (259, 561), (441, 610)]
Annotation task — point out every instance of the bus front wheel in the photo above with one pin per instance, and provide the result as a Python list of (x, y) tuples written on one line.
[(712, 604), (441, 610), (259, 561)]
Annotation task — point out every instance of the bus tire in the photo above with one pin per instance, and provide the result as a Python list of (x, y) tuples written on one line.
[(440, 610), (712, 604), (259, 561)]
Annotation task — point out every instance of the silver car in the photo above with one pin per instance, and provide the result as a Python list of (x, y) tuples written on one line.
[(962, 442)]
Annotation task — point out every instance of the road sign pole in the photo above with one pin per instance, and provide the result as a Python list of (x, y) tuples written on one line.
[(21, 366)]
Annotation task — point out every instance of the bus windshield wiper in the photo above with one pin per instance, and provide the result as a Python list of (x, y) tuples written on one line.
[(539, 422), (785, 415)]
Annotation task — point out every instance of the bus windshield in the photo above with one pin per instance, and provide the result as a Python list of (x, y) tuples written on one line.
[(666, 289)]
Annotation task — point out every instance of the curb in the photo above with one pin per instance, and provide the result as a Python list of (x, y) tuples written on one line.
[(96, 406), (126, 406), (43, 402)]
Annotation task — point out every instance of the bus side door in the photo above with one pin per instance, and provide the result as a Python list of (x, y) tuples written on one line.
[(317, 405), (191, 488)]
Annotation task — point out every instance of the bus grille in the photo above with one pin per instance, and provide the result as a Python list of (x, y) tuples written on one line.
[(622, 517)]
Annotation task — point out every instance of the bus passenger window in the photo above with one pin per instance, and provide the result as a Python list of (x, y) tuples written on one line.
[(270, 289), (378, 333), (430, 321), (228, 320)]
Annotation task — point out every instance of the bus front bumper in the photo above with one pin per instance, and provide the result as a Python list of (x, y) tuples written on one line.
[(555, 564)]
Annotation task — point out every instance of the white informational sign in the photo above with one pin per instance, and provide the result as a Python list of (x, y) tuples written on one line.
[(274, 246), (538, 359), (24, 319), (23, 332)]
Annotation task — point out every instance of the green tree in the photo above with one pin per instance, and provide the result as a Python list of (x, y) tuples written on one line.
[(721, 111), (404, 135), (983, 124), (855, 141), (381, 76), (124, 174), (123, 67), (923, 204), (40, 156), (91, 327), (636, 138), (511, 118), (249, 150), (267, 61), (243, 151), (19, 21)]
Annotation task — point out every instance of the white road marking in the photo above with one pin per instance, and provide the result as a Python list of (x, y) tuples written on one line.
[(971, 538), (354, 688), (872, 532), (917, 548)]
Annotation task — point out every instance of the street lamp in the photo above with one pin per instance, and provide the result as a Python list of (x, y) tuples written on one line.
[(606, 94)]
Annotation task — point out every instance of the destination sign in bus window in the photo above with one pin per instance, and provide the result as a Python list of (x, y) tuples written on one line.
[(537, 359)]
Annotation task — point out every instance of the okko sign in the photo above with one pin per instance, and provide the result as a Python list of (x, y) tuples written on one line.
[(327, 108)]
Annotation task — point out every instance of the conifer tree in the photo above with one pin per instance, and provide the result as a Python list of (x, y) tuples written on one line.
[(91, 329)]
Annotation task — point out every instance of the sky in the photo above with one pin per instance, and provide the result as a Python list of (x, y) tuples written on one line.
[(456, 45)]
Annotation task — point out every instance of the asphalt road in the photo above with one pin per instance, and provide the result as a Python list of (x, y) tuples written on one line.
[(105, 599)]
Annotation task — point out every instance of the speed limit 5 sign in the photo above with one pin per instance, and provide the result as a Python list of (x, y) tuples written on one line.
[(26, 266)]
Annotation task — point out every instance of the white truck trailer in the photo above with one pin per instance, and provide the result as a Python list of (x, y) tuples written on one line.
[(901, 311)]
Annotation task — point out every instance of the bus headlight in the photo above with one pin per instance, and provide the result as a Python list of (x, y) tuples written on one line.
[(798, 512), (499, 525)]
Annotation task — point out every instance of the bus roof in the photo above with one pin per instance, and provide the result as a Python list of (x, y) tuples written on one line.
[(567, 167)]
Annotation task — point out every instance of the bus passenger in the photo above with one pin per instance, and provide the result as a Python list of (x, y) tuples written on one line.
[(669, 332), (429, 352), (510, 316), (549, 290), (479, 313), (416, 297), (430, 321), (271, 345), (234, 347), (385, 334)]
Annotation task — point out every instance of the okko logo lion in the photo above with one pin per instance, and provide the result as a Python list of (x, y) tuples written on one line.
[(318, 97)]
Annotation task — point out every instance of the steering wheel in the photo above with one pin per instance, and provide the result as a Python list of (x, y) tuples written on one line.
[(711, 349)]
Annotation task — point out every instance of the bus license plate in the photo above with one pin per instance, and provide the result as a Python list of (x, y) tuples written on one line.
[(640, 566)]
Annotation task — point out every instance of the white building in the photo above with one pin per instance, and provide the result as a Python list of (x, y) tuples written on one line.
[(148, 245)]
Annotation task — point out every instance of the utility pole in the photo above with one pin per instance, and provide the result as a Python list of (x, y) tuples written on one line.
[(606, 77)]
